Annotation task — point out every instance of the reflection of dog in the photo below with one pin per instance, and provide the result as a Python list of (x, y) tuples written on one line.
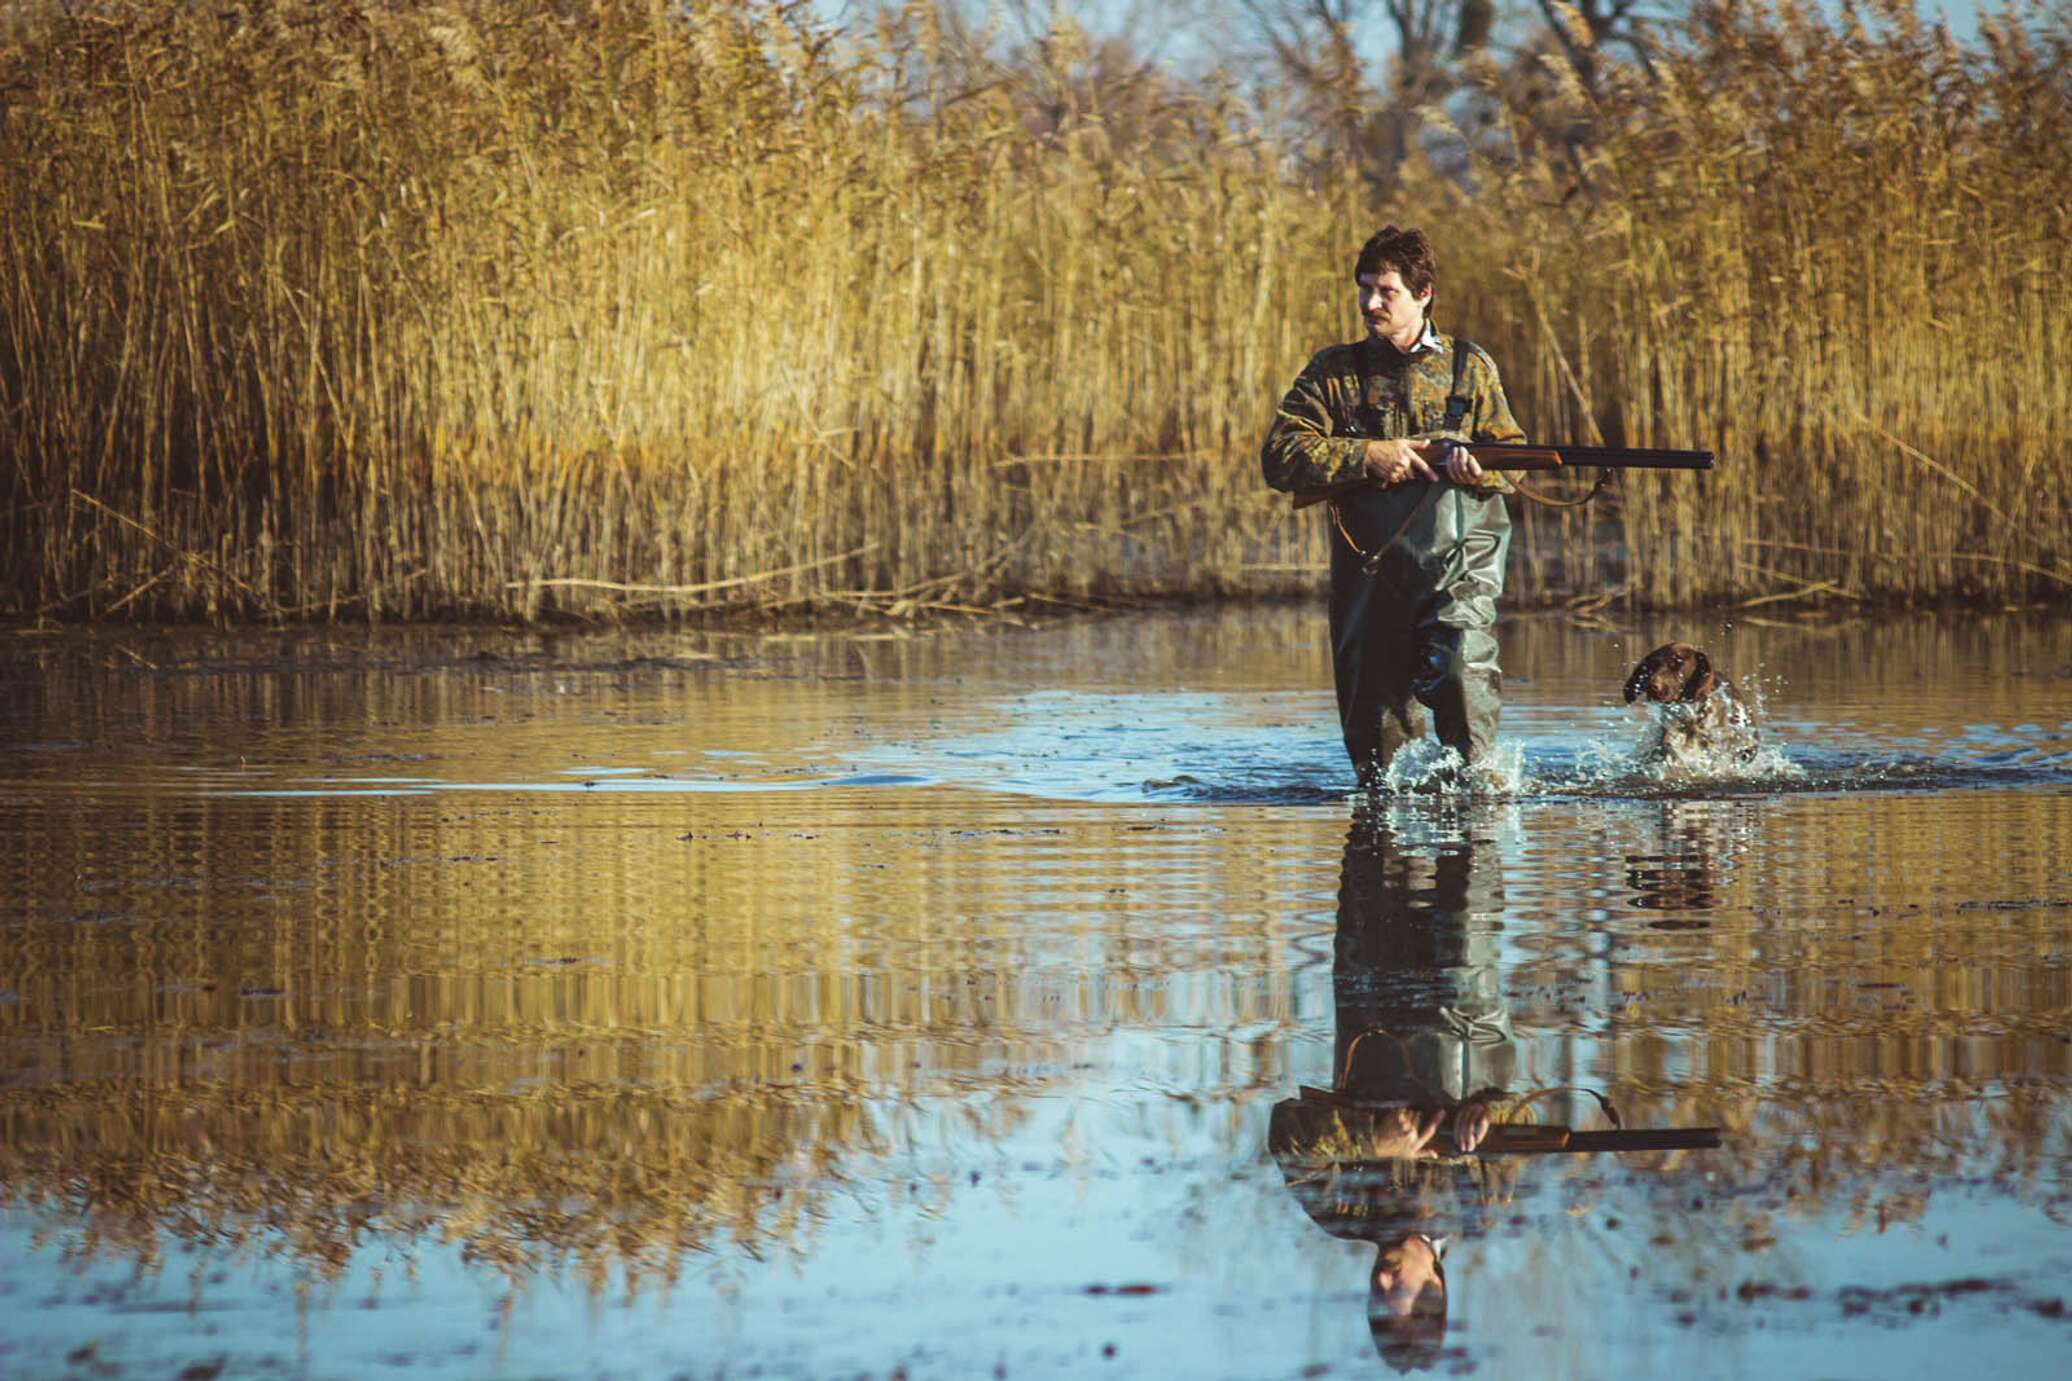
[(1702, 720)]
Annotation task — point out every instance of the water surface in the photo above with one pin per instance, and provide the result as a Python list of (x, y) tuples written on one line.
[(489, 1004)]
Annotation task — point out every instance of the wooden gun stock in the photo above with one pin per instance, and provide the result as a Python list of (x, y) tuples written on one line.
[(1493, 456)]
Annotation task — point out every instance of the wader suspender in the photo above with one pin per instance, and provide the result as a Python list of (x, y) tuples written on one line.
[(1458, 402), (1457, 405)]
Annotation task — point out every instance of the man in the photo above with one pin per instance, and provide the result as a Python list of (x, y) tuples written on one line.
[(1417, 559)]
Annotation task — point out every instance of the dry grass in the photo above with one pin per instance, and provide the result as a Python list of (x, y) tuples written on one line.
[(332, 310), (1835, 253)]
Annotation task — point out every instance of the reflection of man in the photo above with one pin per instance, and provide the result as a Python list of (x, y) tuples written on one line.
[(1421, 1015), (1417, 559), (1423, 1039)]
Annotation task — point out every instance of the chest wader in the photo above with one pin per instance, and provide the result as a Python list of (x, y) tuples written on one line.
[(1416, 571)]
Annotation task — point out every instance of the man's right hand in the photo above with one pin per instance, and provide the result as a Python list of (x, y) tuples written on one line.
[(1392, 462)]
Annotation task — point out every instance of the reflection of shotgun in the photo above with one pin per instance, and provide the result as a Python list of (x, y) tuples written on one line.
[(1311, 1115), (1496, 456), (1529, 1140)]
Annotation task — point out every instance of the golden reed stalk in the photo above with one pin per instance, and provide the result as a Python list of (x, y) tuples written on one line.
[(343, 310)]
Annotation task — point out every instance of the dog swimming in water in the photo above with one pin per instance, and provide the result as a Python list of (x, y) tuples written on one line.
[(1702, 723)]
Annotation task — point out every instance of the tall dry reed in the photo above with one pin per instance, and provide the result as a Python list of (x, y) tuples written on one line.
[(1836, 252), (333, 310)]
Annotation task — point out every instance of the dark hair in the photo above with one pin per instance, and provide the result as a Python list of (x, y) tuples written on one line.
[(1408, 252), (1417, 1340)]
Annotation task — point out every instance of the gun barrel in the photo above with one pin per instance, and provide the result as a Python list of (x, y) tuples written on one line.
[(1627, 457), (1646, 1139), (1543, 1140), (1506, 456)]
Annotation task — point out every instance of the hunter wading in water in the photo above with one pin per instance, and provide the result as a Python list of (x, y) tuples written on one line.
[(1417, 557)]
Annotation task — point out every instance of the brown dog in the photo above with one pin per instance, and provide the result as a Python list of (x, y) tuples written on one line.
[(1705, 720)]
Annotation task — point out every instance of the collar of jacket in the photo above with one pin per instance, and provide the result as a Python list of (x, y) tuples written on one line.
[(1426, 343)]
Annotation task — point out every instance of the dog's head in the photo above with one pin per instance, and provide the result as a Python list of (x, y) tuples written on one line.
[(1672, 672)]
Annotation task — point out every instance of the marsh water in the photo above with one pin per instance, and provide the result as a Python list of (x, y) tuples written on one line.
[(870, 1003)]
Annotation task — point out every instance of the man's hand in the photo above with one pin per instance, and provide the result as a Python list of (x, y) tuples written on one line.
[(1392, 462), (1406, 1133), (1462, 467), (1470, 1125), (1403, 1134)]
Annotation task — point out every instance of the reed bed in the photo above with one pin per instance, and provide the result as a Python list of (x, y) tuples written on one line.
[(332, 310)]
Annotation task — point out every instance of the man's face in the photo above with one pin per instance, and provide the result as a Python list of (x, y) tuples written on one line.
[(1404, 1271), (1391, 311)]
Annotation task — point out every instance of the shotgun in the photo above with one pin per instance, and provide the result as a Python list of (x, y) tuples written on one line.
[(1503, 456)]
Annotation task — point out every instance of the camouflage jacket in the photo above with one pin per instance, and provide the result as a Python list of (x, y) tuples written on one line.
[(1321, 427)]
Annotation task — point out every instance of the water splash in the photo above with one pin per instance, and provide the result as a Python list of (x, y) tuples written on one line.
[(1675, 749), (1426, 767), (1712, 743)]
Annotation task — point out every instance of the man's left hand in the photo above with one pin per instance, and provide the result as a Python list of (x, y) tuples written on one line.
[(1462, 467), (1470, 1125), (1404, 1134)]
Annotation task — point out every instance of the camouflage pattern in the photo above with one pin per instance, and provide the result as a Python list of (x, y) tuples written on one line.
[(1320, 428), (1411, 627)]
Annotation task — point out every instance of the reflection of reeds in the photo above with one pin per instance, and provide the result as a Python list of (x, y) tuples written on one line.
[(328, 310), (576, 1033), (602, 1179), (626, 1183), (302, 1023)]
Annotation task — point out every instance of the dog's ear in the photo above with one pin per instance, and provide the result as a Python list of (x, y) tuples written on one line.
[(1701, 681), (1643, 672)]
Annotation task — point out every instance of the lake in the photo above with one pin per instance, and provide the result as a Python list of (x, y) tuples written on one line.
[(894, 1003)]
